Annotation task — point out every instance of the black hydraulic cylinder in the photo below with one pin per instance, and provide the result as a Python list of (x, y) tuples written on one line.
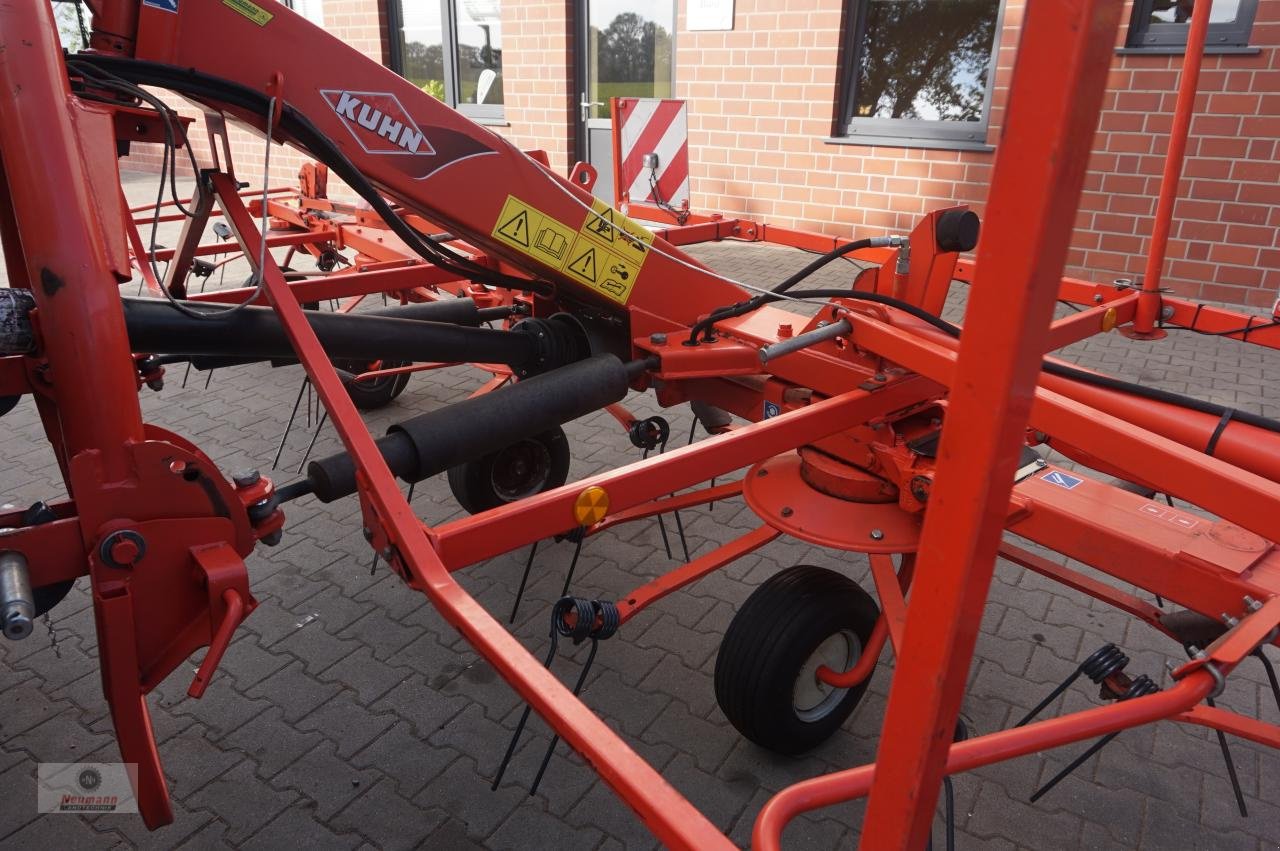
[(255, 333), (437, 440)]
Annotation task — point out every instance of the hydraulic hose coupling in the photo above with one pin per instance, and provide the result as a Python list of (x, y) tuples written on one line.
[(17, 603), (902, 243)]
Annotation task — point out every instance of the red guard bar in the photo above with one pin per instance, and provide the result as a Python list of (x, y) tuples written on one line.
[(854, 783), (668, 816), (1149, 302), (1053, 111)]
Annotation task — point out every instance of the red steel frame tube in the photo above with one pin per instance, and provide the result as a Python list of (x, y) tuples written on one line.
[(1053, 109), (996, 747), (665, 812), (81, 320), (1149, 302)]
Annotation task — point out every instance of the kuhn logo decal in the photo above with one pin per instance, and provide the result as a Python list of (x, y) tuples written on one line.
[(378, 122)]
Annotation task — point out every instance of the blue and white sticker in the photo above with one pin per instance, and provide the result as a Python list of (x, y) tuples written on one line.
[(771, 410), (162, 5), (1066, 481)]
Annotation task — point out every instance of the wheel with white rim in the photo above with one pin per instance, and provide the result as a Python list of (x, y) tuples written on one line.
[(766, 676)]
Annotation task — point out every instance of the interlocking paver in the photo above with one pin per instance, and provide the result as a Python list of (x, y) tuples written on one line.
[(242, 792), (341, 675)]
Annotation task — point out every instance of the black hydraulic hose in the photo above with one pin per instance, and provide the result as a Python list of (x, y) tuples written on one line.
[(754, 303), (1060, 369), (299, 128), (255, 333), (923, 315), (818, 263)]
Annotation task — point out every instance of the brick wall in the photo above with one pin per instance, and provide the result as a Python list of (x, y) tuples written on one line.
[(537, 72), (763, 101), (763, 97)]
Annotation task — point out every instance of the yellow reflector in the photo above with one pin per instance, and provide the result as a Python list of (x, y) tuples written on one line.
[(591, 506), (1109, 320)]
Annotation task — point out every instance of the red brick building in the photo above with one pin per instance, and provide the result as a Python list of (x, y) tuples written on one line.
[(854, 116)]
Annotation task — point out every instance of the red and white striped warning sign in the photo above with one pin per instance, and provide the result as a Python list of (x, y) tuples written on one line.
[(644, 126)]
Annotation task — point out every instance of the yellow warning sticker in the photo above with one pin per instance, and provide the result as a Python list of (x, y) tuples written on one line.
[(606, 253), (604, 271), (250, 10), (526, 229), (617, 233)]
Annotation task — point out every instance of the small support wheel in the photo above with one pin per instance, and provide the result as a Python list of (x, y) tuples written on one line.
[(766, 671), (376, 392), (524, 468), (48, 596)]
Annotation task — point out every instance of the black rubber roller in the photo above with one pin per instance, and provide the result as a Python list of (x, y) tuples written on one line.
[(454, 311), (433, 442), (957, 230)]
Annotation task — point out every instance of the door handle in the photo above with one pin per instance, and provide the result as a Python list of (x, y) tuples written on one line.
[(586, 105)]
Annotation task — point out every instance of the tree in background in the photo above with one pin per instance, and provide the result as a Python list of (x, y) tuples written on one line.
[(632, 50), (68, 17)]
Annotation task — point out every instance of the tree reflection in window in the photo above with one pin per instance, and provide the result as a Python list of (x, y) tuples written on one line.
[(452, 50), (926, 60), (631, 58)]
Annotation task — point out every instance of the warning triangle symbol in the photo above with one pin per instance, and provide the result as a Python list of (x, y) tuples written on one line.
[(602, 224), (585, 265), (517, 228)]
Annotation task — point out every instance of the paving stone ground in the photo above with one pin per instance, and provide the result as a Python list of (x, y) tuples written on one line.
[(347, 714)]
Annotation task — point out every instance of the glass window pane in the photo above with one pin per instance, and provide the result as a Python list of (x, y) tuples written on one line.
[(479, 52), (630, 50), (422, 46), (925, 59), (1179, 11)]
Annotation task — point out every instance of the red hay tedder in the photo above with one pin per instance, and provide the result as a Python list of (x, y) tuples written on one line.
[(872, 426)]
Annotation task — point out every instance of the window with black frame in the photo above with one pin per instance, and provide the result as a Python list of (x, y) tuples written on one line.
[(1163, 24), (920, 71), (451, 49)]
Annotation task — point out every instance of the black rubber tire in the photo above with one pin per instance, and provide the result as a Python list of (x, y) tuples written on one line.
[(378, 393), (779, 627), (488, 482), (47, 596)]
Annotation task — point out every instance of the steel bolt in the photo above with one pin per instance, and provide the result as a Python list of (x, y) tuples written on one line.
[(1097, 298), (17, 601), (1251, 604), (658, 339), (245, 478), (1228, 620), (123, 548), (124, 551), (877, 535), (879, 376), (787, 511)]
